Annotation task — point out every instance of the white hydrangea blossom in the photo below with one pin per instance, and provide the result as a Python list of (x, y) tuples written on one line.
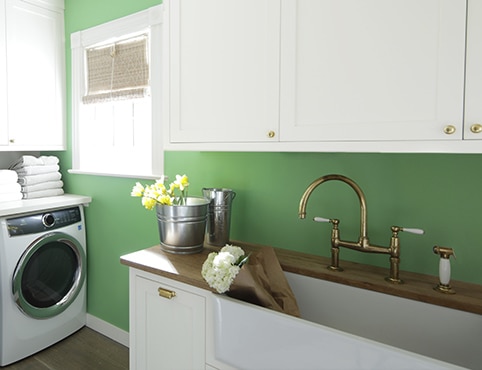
[(235, 251), (220, 269)]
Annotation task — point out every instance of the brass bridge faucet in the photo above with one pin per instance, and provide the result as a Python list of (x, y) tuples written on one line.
[(363, 243)]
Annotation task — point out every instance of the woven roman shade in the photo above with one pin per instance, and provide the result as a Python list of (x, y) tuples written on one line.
[(117, 71)]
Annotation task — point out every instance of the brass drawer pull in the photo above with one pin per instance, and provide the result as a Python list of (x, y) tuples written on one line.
[(169, 294)]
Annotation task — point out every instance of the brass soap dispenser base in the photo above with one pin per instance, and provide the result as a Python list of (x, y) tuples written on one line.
[(447, 289), (444, 269)]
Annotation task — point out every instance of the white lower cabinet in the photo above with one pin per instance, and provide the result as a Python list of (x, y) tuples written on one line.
[(171, 325), (166, 332), (209, 367)]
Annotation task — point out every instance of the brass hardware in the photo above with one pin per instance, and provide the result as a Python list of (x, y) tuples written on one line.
[(12, 141), (476, 128), (166, 293), (363, 243), (447, 289), (335, 251), (271, 134), (449, 129), (444, 252)]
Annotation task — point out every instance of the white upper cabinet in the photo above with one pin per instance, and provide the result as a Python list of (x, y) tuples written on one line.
[(223, 70), (325, 75), (473, 96), (3, 81), (356, 70), (34, 75)]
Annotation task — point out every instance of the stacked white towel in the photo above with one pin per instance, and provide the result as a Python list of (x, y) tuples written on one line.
[(38, 177), (9, 188)]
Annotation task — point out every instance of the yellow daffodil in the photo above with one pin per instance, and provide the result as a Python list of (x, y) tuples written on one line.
[(165, 199), (149, 203), (172, 188), (157, 193), (181, 182), (137, 190)]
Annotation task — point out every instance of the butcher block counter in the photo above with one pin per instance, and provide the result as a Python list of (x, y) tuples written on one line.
[(419, 287)]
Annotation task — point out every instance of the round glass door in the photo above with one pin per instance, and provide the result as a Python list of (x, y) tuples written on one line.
[(49, 275)]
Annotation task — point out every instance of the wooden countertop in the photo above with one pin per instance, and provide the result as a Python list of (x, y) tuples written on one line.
[(419, 287)]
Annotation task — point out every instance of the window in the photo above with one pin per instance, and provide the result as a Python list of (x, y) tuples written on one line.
[(116, 97)]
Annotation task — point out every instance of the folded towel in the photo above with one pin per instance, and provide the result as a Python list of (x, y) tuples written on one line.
[(29, 160), (35, 170), (43, 193), (42, 186), (8, 177), (37, 179), (10, 188), (10, 197)]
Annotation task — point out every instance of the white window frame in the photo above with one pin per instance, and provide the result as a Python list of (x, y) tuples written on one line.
[(149, 19)]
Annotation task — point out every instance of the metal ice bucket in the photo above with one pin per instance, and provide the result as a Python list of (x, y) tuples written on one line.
[(219, 215), (182, 228)]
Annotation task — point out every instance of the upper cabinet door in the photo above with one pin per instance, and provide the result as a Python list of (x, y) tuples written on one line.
[(354, 70), (473, 95), (35, 76), (3, 81), (223, 70)]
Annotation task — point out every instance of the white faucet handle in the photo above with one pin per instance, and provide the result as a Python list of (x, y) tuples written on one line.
[(321, 219), (413, 231)]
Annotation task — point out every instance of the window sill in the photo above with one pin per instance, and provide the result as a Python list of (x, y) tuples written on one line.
[(133, 176)]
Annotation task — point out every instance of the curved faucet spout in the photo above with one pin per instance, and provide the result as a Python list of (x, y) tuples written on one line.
[(353, 185)]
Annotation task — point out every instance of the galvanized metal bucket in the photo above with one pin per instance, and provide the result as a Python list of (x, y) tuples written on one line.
[(219, 216), (182, 228)]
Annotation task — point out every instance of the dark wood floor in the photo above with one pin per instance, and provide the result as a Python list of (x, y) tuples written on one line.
[(84, 350)]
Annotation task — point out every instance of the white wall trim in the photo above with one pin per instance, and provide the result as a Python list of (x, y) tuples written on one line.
[(107, 329)]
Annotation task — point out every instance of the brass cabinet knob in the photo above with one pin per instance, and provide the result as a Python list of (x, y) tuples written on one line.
[(476, 128), (449, 129), (12, 141), (271, 134)]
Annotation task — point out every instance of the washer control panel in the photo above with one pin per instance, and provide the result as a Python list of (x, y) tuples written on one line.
[(40, 222)]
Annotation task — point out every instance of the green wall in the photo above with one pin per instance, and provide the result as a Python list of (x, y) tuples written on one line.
[(436, 192)]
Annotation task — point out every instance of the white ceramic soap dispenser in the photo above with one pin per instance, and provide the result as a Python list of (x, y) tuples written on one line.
[(444, 269)]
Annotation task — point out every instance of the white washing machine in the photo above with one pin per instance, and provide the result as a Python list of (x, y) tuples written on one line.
[(42, 280)]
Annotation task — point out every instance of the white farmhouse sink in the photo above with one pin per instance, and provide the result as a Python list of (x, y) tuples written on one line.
[(249, 337), (443, 333), (344, 328)]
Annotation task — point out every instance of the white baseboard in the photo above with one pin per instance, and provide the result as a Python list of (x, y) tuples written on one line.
[(109, 330)]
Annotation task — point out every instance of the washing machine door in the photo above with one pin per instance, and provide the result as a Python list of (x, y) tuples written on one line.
[(49, 275)]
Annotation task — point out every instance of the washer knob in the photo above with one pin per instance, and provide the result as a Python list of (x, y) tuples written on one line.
[(48, 220)]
